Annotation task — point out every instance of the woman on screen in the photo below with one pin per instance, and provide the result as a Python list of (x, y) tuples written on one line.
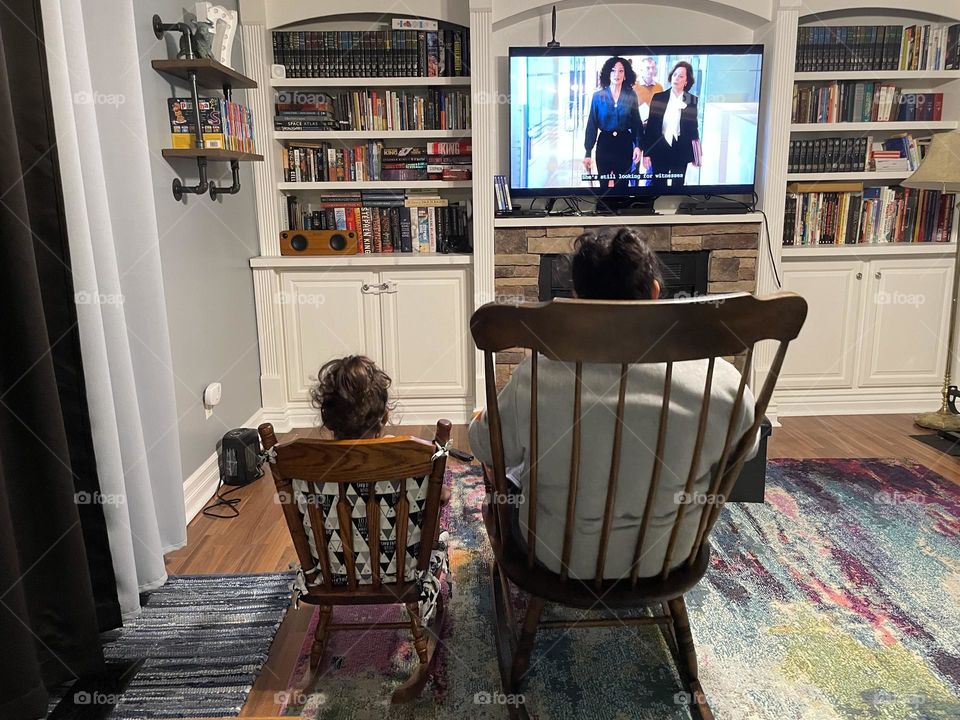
[(672, 136), (614, 124)]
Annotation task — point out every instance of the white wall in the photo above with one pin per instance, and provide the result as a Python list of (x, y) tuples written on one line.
[(204, 249)]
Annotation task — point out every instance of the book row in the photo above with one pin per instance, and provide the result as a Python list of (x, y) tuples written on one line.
[(444, 52), (901, 152), (878, 47), (870, 215), (387, 224), (323, 162), (373, 110), (226, 125), (863, 102)]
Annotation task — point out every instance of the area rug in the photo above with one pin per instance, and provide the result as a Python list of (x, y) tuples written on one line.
[(204, 640), (839, 598)]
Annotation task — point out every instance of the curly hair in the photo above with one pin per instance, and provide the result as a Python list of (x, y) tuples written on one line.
[(352, 396), (629, 74), (616, 264), (689, 68)]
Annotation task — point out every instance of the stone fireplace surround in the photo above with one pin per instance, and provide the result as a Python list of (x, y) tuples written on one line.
[(732, 266)]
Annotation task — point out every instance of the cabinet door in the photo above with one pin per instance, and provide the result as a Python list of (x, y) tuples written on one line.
[(824, 354), (426, 337), (906, 313), (326, 315)]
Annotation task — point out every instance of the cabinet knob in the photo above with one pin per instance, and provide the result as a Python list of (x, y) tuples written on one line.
[(877, 274), (859, 276)]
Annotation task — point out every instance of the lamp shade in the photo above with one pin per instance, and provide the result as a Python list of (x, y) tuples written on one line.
[(940, 169)]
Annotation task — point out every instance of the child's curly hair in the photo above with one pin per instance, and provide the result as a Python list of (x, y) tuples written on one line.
[(615, 264), (352, 397)]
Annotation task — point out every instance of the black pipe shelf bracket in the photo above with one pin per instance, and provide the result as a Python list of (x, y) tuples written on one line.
[(209, 73)]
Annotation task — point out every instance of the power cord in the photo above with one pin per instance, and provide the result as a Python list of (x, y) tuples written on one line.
[(752, 207), (220, 500)]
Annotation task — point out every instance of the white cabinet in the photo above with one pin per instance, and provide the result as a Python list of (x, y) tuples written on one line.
[(824, 354), (905, 322), (426, 334), (414, 322), (326, 315), (875, 336)]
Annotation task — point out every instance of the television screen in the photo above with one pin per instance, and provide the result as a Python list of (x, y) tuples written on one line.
[(634, 120)]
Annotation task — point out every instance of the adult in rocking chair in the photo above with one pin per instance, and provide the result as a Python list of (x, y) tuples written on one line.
[(614, 265), (619, 437)]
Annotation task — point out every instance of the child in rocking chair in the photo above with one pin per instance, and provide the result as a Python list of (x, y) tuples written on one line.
[(352, 395)]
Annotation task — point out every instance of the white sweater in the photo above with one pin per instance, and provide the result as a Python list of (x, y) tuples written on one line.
[(644, 397)]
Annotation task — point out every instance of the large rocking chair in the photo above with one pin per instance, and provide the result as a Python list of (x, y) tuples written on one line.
[(578, 332), (384, 493)]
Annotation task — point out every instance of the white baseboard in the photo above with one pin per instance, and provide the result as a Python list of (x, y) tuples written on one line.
[(200, 486), (864, 401)]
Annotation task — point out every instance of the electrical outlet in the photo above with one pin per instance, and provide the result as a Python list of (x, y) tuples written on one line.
[(211, 397)]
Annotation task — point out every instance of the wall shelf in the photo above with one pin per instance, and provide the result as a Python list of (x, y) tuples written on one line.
[(368, 82), (210, 74), (200, 72), (215, 154), (368, 134), (842, 127), (378, 185)]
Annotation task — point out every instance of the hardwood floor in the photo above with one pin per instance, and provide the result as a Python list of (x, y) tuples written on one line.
[(258, 541)]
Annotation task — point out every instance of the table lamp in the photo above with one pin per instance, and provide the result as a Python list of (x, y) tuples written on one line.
[(940, 170)]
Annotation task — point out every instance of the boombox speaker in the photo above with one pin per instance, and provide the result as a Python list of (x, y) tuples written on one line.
[(318, 242)]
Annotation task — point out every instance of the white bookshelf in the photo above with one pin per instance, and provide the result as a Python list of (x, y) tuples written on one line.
[(869, 250), (363, 261), (593, 221), (858, 127), (928, 76), (378, 185), (370, 134), (401, 82), (866, 176)]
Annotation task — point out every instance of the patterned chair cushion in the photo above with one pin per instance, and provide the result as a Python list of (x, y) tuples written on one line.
[(326, 496)]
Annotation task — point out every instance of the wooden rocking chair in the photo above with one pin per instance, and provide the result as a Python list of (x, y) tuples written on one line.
[(400, 481), (623, 333)]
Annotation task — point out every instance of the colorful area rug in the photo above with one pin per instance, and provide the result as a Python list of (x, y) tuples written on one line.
[(204, 639), (837, 599)]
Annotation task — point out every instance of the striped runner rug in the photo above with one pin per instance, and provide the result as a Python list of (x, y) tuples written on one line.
[(204, 640)]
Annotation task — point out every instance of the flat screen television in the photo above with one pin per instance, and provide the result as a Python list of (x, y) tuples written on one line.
[(686, 126)]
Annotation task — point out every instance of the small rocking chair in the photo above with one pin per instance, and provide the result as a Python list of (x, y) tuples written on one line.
[(393, 484), (621, 333)]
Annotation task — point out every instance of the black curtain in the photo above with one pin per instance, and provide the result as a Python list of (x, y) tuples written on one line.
[(57, 588)]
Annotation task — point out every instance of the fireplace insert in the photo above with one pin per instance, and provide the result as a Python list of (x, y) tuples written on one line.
[(684, 274)]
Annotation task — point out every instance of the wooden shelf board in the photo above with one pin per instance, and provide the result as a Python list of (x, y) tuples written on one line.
[(368, 134), (873, 126), (369, 82), (377, 185), (210, 154), (935, 75), (210, 74)]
